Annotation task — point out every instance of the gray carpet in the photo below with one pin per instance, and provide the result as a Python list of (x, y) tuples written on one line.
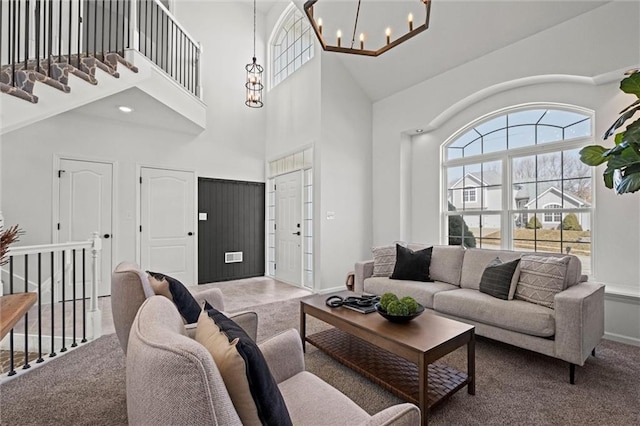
[(514, 386)]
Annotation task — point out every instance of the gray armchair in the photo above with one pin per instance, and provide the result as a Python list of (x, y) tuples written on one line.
[(172, 379), (130, 288)]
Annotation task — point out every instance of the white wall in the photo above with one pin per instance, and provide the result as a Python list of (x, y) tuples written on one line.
[(550, 66), (345, 158), (232, 146)]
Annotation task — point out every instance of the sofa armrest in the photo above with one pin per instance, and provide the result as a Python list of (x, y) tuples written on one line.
[(397, 415), (248, 321), (212, 295), (283, 353), (579, 314), (363, 270)]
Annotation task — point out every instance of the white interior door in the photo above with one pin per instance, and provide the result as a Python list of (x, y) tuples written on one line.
[(167, 223), (288, 236), (86, 206)]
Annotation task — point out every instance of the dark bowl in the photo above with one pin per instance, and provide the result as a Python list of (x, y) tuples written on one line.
[(399, 318)]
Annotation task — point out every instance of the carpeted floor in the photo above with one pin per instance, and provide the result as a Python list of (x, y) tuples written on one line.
[(514, 386)]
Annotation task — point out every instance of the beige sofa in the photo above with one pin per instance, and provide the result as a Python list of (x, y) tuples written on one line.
[(569, 332), (173, 380)]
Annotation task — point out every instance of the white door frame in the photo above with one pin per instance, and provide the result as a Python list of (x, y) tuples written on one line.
[(139, 167), (55, 191)]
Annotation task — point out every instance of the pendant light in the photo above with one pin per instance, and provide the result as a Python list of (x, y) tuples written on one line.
[(254, 74)]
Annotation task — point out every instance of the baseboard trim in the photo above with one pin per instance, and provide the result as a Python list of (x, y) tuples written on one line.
[(332, 290), (622, 339)]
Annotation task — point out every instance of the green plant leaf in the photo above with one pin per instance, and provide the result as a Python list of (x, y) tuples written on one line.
[(632, 134), (616, 150), (619, 138), (620, 121), (629, 183), (593, 155), (631, 84), (630, 106), (626, 159), (608, 178)]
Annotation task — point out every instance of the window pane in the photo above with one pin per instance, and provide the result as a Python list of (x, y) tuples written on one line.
[(474, 148), (472, 176), (490, 231), (578, 130), (549, 192), (455, 199), (561, 118), (525, 117), (524, 169), (290, 51), (549, 166), (578, 192), (496, 141), (548, 134), (454, 177), (572, 167), (492, 125), (453, 152), (522, 136)]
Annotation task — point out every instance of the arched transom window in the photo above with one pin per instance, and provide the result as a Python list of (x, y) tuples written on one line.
[(511, 180), (291, 46)]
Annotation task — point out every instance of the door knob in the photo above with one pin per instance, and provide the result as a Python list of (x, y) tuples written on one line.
[(106, 236), (296, 233), (190, 233)]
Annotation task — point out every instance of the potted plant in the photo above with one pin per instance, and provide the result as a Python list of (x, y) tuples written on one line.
[(623, 160)]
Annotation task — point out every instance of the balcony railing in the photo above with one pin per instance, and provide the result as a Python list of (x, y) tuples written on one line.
[(35, 34), (65, 279)]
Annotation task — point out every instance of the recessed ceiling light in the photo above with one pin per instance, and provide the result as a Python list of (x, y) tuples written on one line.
[(125, 109), (419, 130)]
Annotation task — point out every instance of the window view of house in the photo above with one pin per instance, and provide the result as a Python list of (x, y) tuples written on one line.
[(544, 203)]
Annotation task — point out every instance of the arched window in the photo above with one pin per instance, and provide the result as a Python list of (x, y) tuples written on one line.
[(291, 44), (513, 176)]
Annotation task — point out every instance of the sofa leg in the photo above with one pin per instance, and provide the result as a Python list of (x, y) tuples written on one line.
[(593, 352), (572, 374)]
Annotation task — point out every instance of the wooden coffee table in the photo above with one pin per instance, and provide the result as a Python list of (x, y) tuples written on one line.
[(395, 356)]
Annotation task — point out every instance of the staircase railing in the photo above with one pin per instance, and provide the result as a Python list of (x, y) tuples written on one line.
[(61, 317), (38, 34)]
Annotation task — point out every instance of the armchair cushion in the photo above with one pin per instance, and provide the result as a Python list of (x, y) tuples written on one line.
[(180, 296), (244, 370)]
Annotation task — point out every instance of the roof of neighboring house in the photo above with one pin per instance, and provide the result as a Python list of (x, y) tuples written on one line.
[(487, 178), (562, 195)]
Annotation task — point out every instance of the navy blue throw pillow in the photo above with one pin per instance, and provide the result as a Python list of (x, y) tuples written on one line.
[(182, 298), (270, 404), (412, 265)]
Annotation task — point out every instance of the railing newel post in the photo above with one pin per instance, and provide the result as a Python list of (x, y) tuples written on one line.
[(95, 316)]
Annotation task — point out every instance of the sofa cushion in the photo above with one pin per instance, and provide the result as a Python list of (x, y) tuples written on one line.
[(497, 276), (421, 291), (446, 264), (179, 295), (541, 278), (244, 370), (384, 260), (412, 265), (476, 260), (514, 315)]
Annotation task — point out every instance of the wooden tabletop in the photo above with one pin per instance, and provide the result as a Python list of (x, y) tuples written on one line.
[(12, 308)]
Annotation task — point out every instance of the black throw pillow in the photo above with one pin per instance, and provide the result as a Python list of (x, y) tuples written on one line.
[(182, 298), (496, 278), (412, 265), (270, 404)]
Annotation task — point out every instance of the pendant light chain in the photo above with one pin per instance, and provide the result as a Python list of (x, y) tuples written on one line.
[(254, 71), (355, 25), (254, 29)]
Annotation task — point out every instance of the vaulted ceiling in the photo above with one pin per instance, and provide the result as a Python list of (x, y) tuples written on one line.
[(459, 32)]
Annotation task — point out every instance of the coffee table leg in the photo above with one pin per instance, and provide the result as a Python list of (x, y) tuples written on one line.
[(303, 328), (423, 378), (471, 363)]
